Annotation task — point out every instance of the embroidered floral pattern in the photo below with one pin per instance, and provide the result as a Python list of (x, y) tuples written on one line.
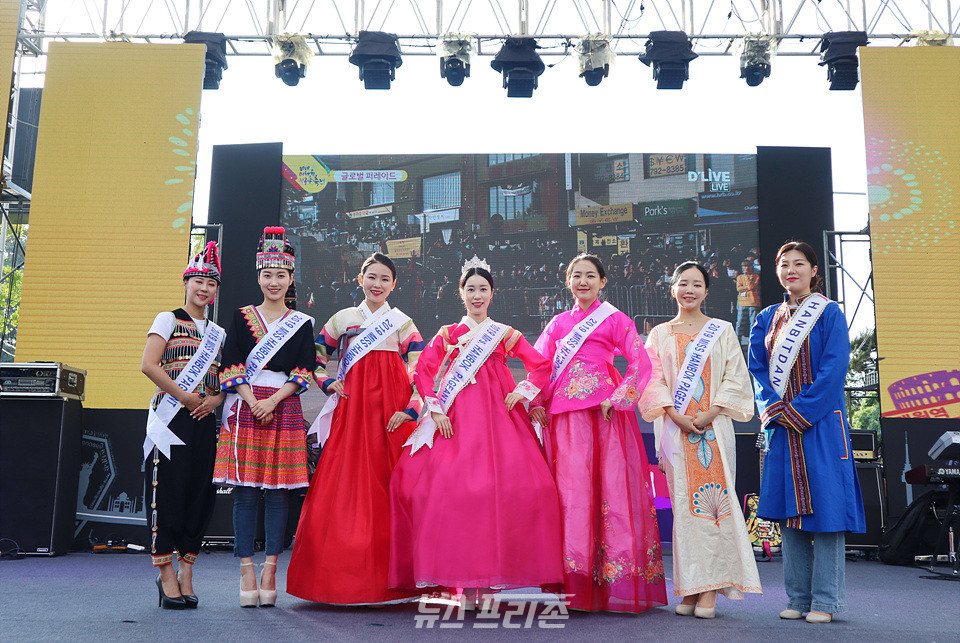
[(626, 395), (612, 571), (584, 380), (253, 321), (573, 565), (654, 570), (301, 377), (608, 570), (527, 390), (233, 375)]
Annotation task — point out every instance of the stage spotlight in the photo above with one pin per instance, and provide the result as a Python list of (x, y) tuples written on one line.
[(839, 53), (215, 60), (292, 56), (454, 50), (756, 50), (520, 65), (596, 56), (669, 54), (289, 72), (377, 54)]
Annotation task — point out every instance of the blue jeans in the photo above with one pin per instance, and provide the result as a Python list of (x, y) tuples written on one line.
[(275, 504), (814, 566), (750, 312)]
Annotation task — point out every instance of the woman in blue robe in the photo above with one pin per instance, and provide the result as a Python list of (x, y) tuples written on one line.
[(809, 482)]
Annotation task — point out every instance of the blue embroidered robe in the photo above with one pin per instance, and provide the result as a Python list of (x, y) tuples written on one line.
[(818, 414)]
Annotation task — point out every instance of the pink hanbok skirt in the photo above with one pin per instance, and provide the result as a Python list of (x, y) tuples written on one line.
[(611, 543)]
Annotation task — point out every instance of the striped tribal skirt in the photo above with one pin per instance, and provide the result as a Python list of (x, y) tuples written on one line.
[(272, 456)]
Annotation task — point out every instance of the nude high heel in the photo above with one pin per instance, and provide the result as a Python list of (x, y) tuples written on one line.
[(248, 598), (706, 612), (268, 597)]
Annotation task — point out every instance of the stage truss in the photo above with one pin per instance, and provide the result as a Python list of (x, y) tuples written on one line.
[(331, 26)]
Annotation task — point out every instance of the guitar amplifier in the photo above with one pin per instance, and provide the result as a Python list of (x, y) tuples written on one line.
[(864, 444), (42, 379)]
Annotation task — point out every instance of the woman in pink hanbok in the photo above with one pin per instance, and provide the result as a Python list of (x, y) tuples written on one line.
[(611, 544), (478, 509)]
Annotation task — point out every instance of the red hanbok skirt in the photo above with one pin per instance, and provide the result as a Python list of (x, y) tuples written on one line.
[(342, 548)]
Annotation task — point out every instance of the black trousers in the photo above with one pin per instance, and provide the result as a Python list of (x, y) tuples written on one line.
[(181, 489)]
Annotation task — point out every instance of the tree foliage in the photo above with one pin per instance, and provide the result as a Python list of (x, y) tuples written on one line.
[(863, 411), (867, 415), (10, 289), (860, 360)]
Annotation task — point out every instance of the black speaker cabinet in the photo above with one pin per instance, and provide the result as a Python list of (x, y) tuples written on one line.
[(39, 470), (220, 528), (748, 464), (874, 506)]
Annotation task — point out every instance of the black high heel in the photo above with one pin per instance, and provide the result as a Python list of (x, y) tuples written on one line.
[(167, 603), (190, 599)]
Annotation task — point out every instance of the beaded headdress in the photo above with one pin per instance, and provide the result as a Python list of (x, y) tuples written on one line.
[(205, 263), (274, 251), (476, 262)]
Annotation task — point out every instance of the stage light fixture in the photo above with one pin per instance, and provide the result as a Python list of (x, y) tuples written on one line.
[(291, 57), (215, 60), (596, 56), (838, 51), (377, 54), (454, 51), (520, 65), (669, 54), (756, 50)]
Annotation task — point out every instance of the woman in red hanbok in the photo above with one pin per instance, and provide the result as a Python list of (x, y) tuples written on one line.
[(479, 509), (611, 544), (342, 547)]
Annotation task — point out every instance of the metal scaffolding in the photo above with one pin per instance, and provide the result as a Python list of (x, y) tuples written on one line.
[(331, 26)]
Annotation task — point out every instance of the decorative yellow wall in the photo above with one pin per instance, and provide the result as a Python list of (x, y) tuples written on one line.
[(911, 107), (111, 211), (9, 21)]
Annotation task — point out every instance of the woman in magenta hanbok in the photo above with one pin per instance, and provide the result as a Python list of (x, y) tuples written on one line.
[(478, 509), (611, 544)]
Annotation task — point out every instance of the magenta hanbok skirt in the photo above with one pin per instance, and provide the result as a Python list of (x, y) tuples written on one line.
[(479, 509), (611, 542)]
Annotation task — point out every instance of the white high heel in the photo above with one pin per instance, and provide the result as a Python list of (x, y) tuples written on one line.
[(268, 597), (248, 598)]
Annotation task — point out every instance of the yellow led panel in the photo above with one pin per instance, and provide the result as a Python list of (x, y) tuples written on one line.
[(911, 108), (111, 210)]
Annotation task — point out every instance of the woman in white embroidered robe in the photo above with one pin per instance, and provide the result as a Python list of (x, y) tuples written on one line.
[(711, 549)]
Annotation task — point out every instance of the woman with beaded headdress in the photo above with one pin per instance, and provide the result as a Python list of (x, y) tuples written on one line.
[(182, 356), (478, 510), (341, 552), (611, 543), (268, 359)]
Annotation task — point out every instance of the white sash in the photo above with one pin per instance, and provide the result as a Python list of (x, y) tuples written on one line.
[(690, 371), (787, 345), (158, 421), (461, 373), (262, 353), (570, 344), (379, 327)]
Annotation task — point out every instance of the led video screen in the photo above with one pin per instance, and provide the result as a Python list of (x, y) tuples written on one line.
[(527, 215)]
